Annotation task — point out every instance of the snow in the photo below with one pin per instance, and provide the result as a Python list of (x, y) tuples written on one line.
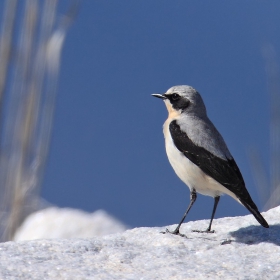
[(239, 249), (57, 222)]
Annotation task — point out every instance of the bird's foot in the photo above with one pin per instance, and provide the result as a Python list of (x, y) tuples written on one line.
[(176, 232), (204, 231)]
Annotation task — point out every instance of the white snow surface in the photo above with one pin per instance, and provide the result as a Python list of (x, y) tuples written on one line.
[(239, 249), (55, 222)]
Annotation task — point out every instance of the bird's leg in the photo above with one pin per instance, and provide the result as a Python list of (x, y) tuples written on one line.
[(208, 230), (176, 231), (216, 201)]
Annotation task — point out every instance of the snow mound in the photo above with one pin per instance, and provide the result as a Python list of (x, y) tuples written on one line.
[(239, 249), (57, 222)]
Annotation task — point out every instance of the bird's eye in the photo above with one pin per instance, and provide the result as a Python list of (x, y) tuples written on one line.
[(175, 96)]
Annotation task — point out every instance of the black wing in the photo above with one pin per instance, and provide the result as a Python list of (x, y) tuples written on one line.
[(225, 172)]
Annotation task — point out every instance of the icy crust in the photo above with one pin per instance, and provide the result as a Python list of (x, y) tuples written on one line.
[(239, 249)]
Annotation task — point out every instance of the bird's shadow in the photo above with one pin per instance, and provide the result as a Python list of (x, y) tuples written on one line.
[(256, 234)]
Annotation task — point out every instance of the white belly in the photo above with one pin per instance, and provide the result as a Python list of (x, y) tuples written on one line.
[(190, 173)]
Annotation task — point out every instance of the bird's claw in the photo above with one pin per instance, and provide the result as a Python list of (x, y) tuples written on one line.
[(175, 232), (203, 231)]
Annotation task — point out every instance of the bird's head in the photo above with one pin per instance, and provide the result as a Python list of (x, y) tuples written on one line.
[(183, 100)]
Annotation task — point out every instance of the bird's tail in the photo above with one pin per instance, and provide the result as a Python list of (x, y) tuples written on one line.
[(254, 210)]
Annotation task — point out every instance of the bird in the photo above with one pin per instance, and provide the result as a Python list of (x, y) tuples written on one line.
[(199, 155)]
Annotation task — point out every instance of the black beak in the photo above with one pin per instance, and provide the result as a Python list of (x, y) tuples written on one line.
[(158, 95)]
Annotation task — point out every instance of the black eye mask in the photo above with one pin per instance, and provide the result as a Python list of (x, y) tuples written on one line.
[(178, 102)]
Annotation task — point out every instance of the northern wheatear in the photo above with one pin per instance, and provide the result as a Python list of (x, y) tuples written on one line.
[(198, 153)]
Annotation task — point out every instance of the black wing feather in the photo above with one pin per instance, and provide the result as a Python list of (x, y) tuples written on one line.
[(225, 172)]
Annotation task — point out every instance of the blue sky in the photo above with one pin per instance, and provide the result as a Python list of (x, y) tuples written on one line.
[(107, 148)]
